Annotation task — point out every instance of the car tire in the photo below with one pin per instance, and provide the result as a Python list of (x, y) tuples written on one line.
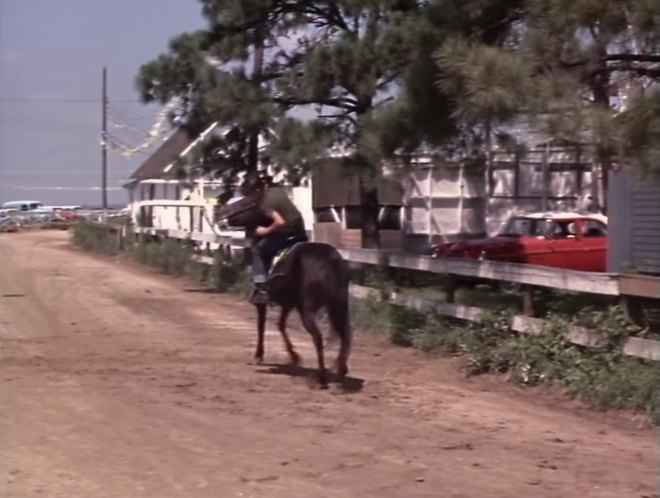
[(509, 287)]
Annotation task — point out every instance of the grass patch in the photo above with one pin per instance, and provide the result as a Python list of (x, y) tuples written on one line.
[(229, 274), (602, 377), (94, 238), (168, 256)]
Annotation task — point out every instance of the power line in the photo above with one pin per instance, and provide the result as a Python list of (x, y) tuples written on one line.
[(67, 101), (61, 187)]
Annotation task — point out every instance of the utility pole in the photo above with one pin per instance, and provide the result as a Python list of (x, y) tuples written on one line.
[(257, 74), (104, 141)]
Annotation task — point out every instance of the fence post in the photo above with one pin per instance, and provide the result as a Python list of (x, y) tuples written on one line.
[(120, 242), (450, 289), (633, 309), (528, 300)]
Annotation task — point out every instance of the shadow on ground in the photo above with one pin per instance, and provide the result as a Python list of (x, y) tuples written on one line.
[(347, 384)]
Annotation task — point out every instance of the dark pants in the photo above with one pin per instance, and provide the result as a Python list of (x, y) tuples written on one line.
[(265, 249)]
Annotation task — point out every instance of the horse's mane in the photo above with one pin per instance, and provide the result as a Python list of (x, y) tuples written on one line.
[(235, 208)]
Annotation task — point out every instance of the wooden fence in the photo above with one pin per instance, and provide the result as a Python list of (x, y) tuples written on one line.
[(529, 276)]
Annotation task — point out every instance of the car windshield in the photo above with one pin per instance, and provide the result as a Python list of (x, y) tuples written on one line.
[(525, 227)]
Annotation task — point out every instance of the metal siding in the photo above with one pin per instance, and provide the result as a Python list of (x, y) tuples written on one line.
[(619, 251), (648, 238), (645, 226), (648, 212)]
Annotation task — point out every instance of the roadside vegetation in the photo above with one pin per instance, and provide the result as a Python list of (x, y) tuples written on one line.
[(602, 377)]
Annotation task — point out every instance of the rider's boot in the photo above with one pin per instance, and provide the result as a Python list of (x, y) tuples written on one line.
[(259, 294)]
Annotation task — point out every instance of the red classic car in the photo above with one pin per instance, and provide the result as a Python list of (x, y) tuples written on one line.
[(562, 240)]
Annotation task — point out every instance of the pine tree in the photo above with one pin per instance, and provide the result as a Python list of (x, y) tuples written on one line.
[(562, 60), (220, 76), (351, 58), (341, 58)]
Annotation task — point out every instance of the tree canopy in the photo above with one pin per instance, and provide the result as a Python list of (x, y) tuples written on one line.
[(372, 79), (584, 69)]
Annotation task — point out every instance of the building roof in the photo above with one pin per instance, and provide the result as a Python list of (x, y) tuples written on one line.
[(156, 165), (563, 215)]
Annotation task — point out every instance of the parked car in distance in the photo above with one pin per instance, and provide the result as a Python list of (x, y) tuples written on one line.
[(558, 239), (9, 224), (67, 215)]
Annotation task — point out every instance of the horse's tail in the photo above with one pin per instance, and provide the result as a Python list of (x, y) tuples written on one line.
[(338, 309)]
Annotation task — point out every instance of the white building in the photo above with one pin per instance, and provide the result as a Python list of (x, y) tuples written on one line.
[(162, 197), (442, 201)]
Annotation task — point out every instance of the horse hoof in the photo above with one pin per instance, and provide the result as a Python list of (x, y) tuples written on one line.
[(295, 359), (258, 359), (322, 381), (341, 370)]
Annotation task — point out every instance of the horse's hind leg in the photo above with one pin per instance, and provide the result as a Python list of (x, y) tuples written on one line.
[(293, 356), (339, 322), (341, 363), (261, 331), (309, 322)]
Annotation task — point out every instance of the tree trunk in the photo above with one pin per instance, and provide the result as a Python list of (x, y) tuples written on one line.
[(604, 158), (370, 209), (600, 88)]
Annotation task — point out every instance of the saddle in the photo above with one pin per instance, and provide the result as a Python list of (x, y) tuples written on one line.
[(278, 268)]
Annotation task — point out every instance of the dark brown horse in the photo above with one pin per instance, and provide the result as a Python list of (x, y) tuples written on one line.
[(310, 277)]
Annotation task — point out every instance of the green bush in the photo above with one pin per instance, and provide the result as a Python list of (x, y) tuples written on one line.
[(169, 256), (95, 238), (603, 377), (228, 273)]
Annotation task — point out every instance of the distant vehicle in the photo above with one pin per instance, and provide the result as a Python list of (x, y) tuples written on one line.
[(9, 224), (23, 205), (34, 205), (72, 207), (66, 214), (558, 239), (7, 212)]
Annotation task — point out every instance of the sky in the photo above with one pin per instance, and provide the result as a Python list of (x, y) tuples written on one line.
[(53, 52)]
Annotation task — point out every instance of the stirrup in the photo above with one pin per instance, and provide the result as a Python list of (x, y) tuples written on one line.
[(259, 295)]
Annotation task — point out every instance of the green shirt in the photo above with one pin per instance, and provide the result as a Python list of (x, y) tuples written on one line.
[(276, 199)]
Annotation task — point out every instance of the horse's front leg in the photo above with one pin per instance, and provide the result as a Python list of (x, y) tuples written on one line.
[(261, 332)]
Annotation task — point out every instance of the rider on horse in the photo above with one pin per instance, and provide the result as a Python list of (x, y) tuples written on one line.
[(286, 229)]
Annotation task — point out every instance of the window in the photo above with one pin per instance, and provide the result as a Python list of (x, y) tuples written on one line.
[(593, 229), (525, 227), (353, 217), (324, 215), (390, 218), (562, 229)]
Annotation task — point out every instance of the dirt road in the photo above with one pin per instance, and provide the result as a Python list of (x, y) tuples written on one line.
[(117, 382)]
